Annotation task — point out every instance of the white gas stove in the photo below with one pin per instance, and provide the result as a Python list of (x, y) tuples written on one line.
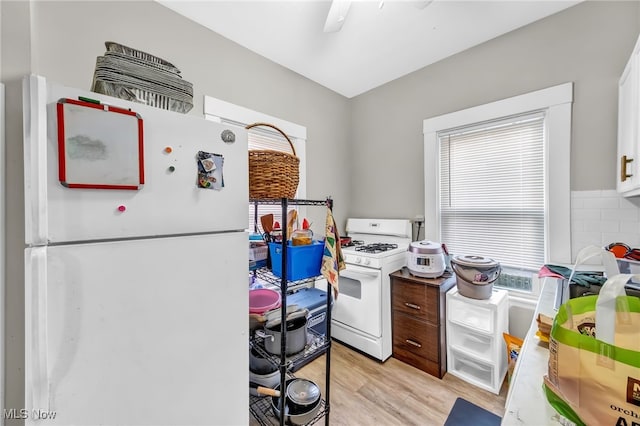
[(372, 255), (361, 315)]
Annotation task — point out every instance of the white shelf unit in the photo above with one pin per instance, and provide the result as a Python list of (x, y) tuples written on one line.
[(476, 351)]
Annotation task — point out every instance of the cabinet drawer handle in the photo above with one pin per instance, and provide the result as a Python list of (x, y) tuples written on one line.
[(623, 168), (411, 342), (412, 306)]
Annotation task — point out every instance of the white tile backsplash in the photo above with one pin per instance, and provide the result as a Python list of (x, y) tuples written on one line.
[(621, 214), (581, 213), (603, 217)]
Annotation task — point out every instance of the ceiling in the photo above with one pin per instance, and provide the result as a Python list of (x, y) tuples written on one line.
[(374, 44)]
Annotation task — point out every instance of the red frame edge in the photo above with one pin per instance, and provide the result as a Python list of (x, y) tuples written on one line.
[(61, 151)]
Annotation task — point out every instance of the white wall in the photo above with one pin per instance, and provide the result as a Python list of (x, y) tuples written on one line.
[(62, 39), (587, 44), (603, 217)]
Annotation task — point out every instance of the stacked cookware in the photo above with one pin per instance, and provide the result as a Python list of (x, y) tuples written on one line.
[(303, 399), (137, 76)]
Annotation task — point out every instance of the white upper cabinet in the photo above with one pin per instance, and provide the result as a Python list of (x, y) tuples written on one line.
[(628, 167)]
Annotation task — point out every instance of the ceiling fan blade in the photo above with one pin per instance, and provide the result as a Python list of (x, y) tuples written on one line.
[(421, 4), (336, 16)]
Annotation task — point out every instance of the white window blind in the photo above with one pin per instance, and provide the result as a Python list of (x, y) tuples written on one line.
[(492, 198)]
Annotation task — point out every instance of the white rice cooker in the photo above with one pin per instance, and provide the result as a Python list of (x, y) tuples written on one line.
[(426, 259)]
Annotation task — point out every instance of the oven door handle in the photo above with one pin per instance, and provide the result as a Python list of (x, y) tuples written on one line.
[(359, 274)]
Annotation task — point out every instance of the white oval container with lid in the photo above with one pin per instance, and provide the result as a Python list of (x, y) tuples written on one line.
[(426, 259)]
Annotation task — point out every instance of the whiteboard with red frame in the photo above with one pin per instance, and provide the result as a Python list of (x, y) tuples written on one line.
[(99, 146)]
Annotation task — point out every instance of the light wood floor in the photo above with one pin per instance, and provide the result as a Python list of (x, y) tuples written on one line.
[(365, 391)]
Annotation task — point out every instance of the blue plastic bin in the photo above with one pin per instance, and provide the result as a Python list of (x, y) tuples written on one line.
[(302, 261)]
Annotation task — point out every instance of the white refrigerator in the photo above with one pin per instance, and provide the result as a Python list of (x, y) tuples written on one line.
[(136, 275)]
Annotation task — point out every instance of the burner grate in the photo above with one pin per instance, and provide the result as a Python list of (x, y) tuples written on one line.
[(353, 243), (376, 247)]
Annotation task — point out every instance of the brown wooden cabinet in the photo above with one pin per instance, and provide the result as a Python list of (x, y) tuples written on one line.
[(418, 320)]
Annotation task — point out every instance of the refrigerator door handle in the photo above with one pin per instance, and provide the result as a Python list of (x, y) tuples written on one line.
[(35, 149), (36, 366)]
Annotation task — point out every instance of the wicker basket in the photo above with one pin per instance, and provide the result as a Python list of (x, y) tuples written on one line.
[(273, 174)]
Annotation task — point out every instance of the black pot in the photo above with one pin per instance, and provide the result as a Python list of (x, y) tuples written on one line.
[(302, 394), (296, 336), (260, 365), (294, 413)]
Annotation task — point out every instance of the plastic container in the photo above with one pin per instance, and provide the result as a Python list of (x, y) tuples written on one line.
[(262, 300), (477, 315), (302, 237), (470, 341), (258, 251), (315, 300), (628, 266), (472, 370), (475, 275), (302, 261)]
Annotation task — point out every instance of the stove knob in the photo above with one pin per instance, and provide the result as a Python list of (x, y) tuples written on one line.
[(358, 259), (367, 261)]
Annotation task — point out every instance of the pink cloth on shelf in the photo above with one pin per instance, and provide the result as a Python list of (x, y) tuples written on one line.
[(546, 272)]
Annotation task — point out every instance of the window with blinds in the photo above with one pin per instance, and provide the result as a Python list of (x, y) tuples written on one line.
[(492, 193), (261, 140)]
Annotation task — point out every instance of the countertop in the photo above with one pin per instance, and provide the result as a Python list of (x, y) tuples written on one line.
[(446, 280), (526, 403)]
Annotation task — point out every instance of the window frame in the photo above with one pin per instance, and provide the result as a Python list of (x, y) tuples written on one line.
[(557, 102)]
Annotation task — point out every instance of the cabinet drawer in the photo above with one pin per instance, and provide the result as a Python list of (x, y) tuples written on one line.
[(472, 315), (471, 370), (430, 367), (418, 300), (470, 341), (411, 335)]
